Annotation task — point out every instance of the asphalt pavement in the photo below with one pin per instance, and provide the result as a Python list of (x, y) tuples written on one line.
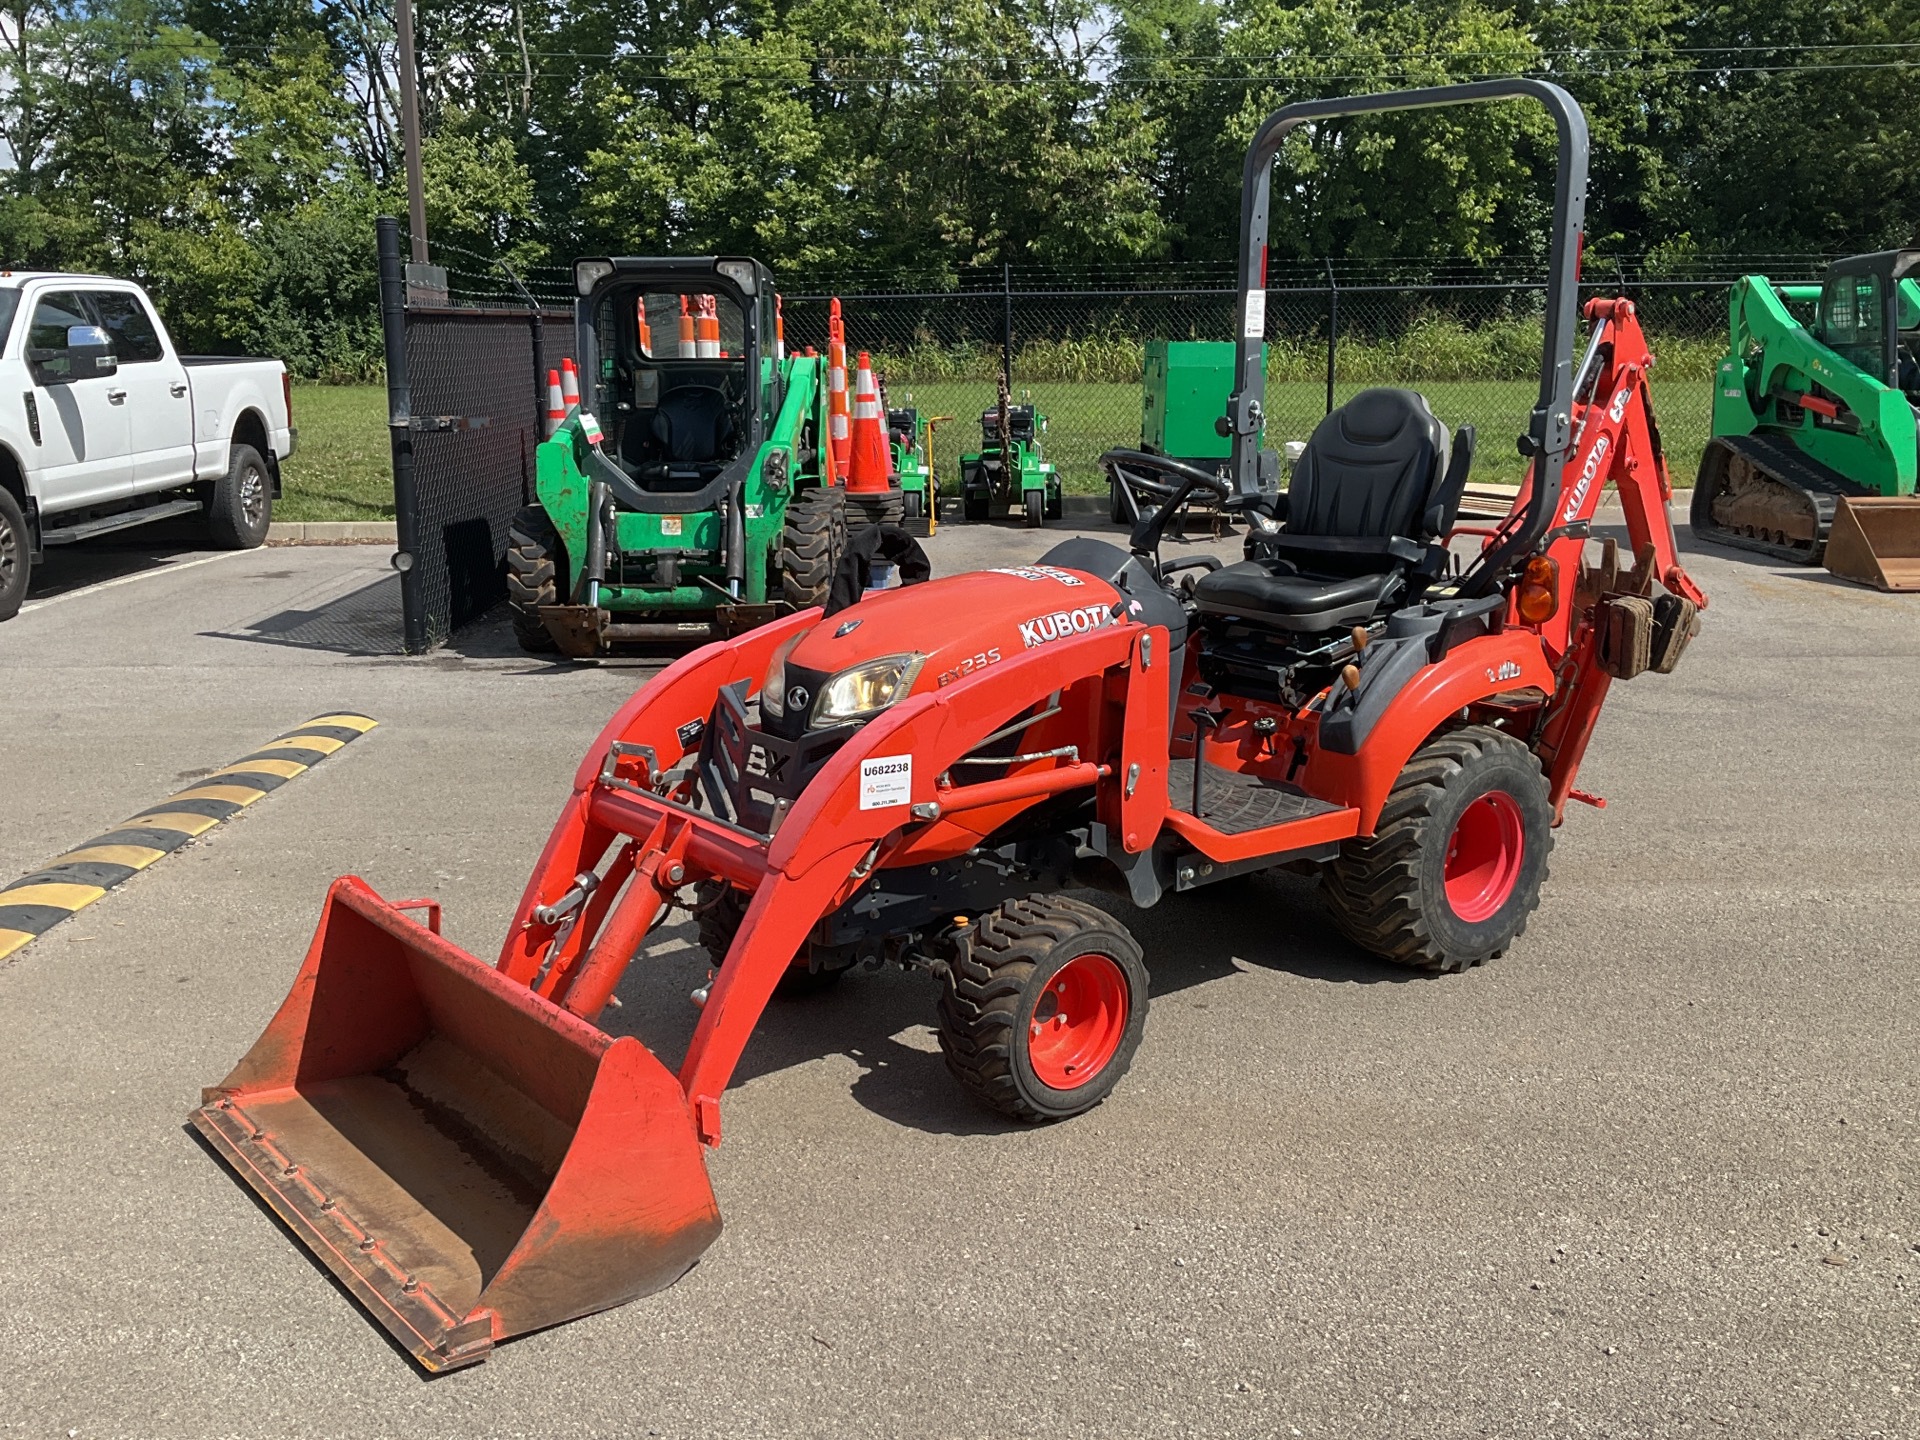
[(1653, 1173)]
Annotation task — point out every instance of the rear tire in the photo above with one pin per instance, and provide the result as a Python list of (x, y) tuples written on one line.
[(1042, 1017), (1456, 863), (814, 538), (720, 922), (16, 555), (240, 510), (535, 563), (1035, 502)]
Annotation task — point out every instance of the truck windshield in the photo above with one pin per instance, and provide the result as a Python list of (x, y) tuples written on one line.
[(673, 382)]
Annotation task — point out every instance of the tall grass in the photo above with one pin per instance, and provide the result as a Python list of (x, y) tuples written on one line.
[(1432, 349)]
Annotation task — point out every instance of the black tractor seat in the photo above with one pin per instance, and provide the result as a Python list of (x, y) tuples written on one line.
[(685, 442), (1372, 498)]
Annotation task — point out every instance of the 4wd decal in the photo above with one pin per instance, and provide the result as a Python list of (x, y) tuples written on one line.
[(1588, 472), (1038, 572), (1508, 670), (1062, 623), (1617, 411)]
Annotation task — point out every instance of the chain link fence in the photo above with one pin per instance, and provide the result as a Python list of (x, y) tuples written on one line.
[(1472, 347)]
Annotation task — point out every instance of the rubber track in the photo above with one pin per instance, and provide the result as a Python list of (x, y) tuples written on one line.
[(1373, 886), (979, 1008), (532, 578), (1787, 466), (811, 544)]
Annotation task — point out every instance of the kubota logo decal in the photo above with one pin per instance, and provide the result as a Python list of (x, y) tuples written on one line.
[(1601, 447), (1043, 629)]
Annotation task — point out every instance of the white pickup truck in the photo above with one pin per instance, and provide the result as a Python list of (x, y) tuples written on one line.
[(104, 426)]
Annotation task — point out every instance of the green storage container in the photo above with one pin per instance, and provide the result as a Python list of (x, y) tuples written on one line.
[(1183, 392)]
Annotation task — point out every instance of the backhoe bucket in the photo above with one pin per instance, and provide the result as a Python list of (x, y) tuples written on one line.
[(1876, 540), (470, 1160)]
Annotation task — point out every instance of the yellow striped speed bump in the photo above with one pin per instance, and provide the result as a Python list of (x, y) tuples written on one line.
[(34, 904)]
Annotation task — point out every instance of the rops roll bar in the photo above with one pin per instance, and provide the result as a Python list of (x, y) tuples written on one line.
[(1549, 429)]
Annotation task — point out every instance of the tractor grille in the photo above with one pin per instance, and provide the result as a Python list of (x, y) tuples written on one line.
[(750, 777)]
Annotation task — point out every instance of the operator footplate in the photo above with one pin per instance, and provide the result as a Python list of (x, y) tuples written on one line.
[(1234, 803)]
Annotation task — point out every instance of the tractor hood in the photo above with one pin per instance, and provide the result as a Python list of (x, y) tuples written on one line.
[(855, 663)]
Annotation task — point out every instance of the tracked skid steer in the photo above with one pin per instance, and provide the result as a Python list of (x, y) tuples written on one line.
[(934, 776)]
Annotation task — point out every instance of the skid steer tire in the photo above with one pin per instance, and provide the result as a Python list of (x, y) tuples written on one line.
[(1457, 860), (240, 509), (814, 538), (1040, 1017), (724, 908), (535, 563)]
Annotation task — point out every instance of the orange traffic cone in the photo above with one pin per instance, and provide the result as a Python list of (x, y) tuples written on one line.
[(556, 402), (869, 463), (709, 332), (646, 330), (779, 332), (689, 347), (569, 382), (838, 434)]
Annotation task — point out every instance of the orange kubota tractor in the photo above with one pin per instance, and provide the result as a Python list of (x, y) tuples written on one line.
[(923, 776)]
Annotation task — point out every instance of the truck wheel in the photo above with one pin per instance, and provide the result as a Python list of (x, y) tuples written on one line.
[(1456, 865), (16, 555), (1036, 505), (725, 908), (535, 563), (1041, 1016), (814, 538), (241, 507)]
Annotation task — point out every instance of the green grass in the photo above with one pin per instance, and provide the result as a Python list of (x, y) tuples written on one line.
[(342, 468)]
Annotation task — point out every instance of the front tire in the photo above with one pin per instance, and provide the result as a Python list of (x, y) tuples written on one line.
[(535, 563), (811, 544), (1456, 863), (240, 510), (1041, 1016), (16, 555), (1036, 507), (723, 909)]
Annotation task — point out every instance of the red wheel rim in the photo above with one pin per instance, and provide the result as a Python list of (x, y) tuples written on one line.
[(1077, 1022), (1483, 856)]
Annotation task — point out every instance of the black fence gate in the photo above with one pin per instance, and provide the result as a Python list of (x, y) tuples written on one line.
[(466, 401)]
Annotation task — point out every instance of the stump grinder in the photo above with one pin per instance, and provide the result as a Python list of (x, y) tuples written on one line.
[(926, 776)]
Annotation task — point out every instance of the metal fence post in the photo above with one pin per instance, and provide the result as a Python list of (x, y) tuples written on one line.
[(1006, 326), (393, 328), (1333, 329)]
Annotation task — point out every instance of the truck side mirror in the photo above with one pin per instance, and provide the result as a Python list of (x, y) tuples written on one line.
[(89, 352)]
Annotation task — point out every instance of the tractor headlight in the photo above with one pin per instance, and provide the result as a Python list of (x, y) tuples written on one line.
[(773, 689), (866, 689)]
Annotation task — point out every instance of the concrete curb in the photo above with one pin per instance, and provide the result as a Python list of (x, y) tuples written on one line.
[(332, 532)]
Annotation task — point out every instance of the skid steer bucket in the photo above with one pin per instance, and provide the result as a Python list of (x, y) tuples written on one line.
[(1876, 541), (471, 1161)]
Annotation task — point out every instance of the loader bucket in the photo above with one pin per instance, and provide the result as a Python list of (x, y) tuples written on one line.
[(1876, 540), (471, 1161)]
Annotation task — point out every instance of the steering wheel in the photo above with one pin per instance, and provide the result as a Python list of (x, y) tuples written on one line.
[(1180, 481)]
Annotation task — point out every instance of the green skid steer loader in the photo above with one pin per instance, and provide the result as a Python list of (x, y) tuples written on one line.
[(1813, 454), (683, 498)]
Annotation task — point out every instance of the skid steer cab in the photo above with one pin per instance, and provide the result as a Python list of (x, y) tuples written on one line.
[(685, 496), (937, 777)]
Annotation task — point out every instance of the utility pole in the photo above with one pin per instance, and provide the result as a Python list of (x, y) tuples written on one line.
[(410, 131)]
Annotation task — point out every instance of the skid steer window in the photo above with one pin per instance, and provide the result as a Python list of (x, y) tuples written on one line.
[(673, 383), (1853, 321)]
